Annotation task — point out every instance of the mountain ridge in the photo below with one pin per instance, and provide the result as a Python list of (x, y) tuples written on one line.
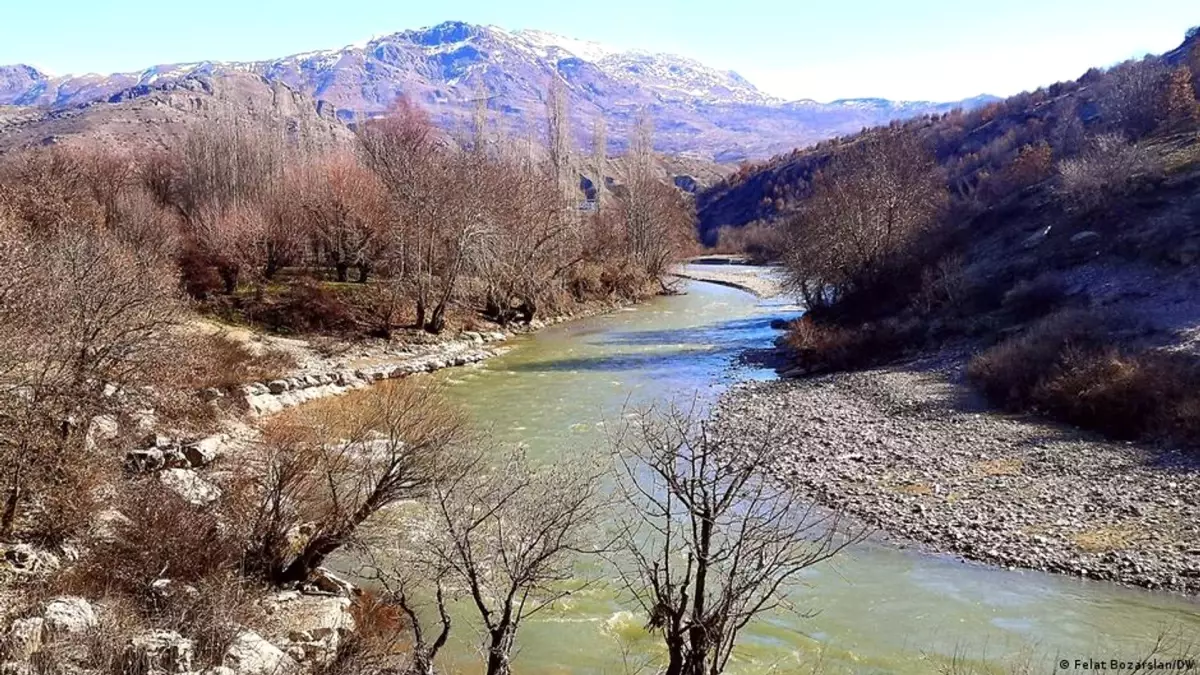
[(695, 108)]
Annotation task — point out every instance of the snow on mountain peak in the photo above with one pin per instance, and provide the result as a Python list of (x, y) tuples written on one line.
[(545, 42)]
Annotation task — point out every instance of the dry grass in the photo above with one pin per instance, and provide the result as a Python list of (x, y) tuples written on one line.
[(1068, 367), (219, 362), (825, 346), (915, 489), (1104, 539), (1000, 467), (353, 415)]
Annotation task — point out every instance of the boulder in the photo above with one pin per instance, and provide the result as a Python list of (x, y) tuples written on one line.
[(145, 460), (323, 581), (69, 614), (277, 386), (25, 559), (250, 654), (24, 638), (102, 428), (316, 625), (211, 394), (159, 652), (1034, 240), (187, 484), (108, 524), (204, 451)]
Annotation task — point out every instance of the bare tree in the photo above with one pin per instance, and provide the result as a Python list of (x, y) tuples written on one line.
[(710, 541), (599, 160), (658, 220), (868, 206), (434, 202), (335, 472), (558, 136), (509, 532), (1130, 96), (346, 208), (82, 316)]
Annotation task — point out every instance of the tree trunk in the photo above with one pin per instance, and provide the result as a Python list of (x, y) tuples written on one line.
[(498, 651), (420, 314), (674, 657), (437, 321), (229, 276), (10, 511), (271, 268), (364, 270), (343, 272)]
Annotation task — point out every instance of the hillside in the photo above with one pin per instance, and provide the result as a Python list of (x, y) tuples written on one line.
[(699, 110), (1049, 239), (158, 115)]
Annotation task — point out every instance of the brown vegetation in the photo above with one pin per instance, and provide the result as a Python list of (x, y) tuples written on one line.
[(1071, 365), (969, 225)]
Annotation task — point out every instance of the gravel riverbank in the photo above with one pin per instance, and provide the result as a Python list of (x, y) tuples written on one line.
[(911, 450), (750, 280)]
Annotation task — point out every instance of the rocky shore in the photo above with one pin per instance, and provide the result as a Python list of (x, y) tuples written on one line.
[(910, 450), (360, 364), (752, 280)]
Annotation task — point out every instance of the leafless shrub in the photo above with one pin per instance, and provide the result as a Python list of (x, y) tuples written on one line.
[(82, 317), (709, 540), (1104, 173), (324, 477), (867, 207), (1071, 367)]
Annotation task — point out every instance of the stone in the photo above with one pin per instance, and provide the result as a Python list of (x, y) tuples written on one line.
[(211, 394), (277, 386), (24, 638), (25, 559), (108, 524), (325, 581), (69, 614), (102, 428), (160, 651), (316, 626), (779, 324), (204, 451), (250, 654), (187, 484), (1034, 240)]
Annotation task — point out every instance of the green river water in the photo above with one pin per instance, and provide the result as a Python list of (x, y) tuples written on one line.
[(879, 608)]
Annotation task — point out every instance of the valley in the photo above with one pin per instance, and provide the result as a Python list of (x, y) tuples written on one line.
[(470, 349)]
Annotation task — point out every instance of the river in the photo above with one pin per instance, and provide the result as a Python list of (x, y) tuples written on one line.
[(879, 607)]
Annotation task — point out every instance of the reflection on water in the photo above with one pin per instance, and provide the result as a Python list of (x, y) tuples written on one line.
[(879, 609)]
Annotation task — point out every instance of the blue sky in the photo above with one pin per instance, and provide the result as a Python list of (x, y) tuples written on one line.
[(900, 49)]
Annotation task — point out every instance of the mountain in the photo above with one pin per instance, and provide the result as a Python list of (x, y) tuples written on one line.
[(711, 113), (152, 116)]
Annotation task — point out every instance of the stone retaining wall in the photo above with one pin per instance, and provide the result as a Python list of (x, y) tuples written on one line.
[(265, 398)]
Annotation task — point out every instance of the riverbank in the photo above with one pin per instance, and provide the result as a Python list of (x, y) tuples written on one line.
[(333, 368), (910, 449), (749, 279)]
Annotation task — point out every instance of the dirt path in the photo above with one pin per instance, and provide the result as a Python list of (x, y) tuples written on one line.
[(910, 450)]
